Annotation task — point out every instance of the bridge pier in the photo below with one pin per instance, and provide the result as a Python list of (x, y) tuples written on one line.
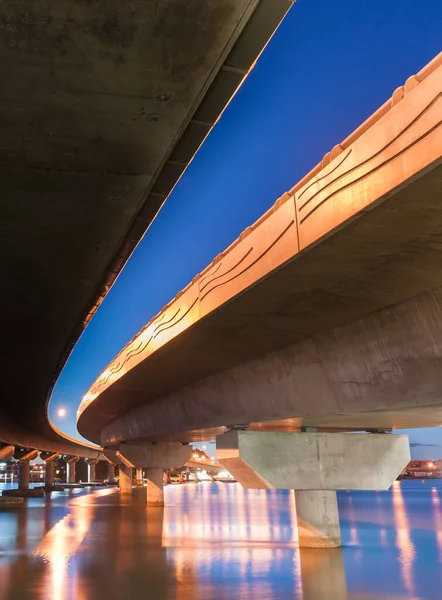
[(24, 475), (315, 465), (71, 474), (154, 458), (49, 475), (91, 464), (155, 486), (125, 479), (318, 519), (111, 473)]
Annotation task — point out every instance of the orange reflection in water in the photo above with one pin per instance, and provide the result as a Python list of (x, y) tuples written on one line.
[(403, 538), (62, 542), (246, 531)]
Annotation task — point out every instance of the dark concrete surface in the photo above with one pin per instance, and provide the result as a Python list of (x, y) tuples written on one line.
[(102, 105)]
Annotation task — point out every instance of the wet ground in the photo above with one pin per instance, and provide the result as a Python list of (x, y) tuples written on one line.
[(218, 541)]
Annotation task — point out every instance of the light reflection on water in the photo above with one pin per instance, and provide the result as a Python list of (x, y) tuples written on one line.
[(219, 541)]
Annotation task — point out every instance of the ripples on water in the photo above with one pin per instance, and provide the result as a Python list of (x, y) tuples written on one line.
[(219, 541)]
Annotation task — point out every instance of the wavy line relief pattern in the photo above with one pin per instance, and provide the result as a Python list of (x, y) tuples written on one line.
[(209, 274), (228, 271), (158, 325), (141, 348), (252, 263), (318, 179), (373, 170), (373, 156)]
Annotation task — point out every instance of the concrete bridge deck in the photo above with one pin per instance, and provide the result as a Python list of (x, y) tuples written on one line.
[(103, 106), (325, 312)]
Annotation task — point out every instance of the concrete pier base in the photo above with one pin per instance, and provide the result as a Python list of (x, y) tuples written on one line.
[(25, 493), (318, 519), (155, 489), (125, 479), (315, 465)]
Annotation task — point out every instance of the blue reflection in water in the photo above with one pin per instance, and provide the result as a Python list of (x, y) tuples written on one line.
[(398, 548), (235, 543), (219, 541)]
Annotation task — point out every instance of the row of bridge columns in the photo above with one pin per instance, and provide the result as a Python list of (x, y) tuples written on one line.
[(150, 458), (314, 465), (49, 458)]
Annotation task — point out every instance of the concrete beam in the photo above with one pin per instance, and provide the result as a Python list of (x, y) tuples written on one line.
[(49, 456), (313, 461), (115, 457), (31, 455), (6, 452), (155, 455)]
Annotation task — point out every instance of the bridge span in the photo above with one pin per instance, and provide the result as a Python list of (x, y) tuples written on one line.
[(323, 313), (324, 317)]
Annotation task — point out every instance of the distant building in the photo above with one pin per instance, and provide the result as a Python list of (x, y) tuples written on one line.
[(423, 469)]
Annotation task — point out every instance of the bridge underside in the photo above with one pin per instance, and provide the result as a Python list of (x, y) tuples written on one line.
[(327, 311), (103, 107), (391, 253)]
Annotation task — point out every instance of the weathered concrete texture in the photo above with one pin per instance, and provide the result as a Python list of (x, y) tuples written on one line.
[(125, 479), (155, 491), (97, 126), (318, 519), (155, 455), (381, 370), (314, 461)]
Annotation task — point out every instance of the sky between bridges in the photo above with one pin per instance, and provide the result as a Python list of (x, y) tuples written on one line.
[(328, 67)]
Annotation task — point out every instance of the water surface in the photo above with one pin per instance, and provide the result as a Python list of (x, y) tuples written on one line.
[(219, 541)]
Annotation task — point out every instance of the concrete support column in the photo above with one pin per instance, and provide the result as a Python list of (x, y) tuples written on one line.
[(24, 475), (155, 490), (318, 519), (139, 476), (71, 472), (91, 472), (111, 473), (49, 475), (315, 465), (125, 479)]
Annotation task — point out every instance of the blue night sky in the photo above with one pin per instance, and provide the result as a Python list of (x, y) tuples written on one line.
[(328, 67)]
